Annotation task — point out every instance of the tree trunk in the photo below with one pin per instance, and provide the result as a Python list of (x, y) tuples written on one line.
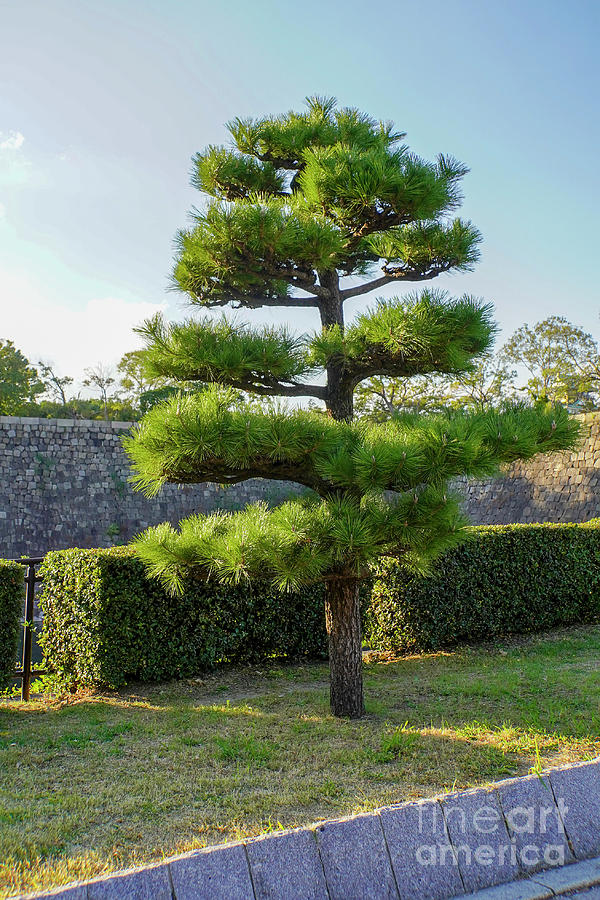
[(340, 393), (342, 605), (342, 617)]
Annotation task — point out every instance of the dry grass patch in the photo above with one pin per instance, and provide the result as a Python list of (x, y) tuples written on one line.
[(102, 781)]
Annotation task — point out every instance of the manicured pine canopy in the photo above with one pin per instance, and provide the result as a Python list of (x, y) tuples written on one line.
[(308, 210)]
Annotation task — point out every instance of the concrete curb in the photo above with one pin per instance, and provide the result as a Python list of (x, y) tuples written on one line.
[(511, 841), (552, 883)]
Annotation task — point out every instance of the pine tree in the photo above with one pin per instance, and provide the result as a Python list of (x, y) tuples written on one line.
[(307, 210)]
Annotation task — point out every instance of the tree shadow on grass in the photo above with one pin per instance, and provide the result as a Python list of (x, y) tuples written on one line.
[(101, 784), (113, 779)]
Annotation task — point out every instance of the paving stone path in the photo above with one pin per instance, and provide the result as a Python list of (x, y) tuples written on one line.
[(523, 839)]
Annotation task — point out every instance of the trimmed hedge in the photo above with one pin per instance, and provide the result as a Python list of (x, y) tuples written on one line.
[(106, 623), (505, 579), (11, 609)]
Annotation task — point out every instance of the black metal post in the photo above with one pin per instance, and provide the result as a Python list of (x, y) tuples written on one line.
[(30, 580), (26, 672)]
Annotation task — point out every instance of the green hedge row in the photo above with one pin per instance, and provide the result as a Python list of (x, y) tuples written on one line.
[(505, 579), (11, 609), (106, 623)]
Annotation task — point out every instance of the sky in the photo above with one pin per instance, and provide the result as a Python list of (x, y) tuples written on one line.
[(104, 102)]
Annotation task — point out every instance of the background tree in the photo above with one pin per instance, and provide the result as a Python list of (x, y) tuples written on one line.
[(489, 382), (54, 383), (19, 381), (29, 391), (308, 210), (561, 358), (135, 379), (379, 399), (102, 379)]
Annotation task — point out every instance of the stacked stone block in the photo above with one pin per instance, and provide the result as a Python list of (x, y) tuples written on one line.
[(557, 487), (64, 483)]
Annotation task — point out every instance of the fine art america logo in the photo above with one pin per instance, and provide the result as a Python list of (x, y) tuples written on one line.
[(537, 836)]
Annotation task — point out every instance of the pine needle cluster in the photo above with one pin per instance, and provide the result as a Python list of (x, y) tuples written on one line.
[(214, 437)]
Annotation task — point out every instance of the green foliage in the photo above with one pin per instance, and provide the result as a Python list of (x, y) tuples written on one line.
[(114, 532), (55, 384), (282, 139), (57, 404), (428, 246), (302, 541), (562, 359), (136, 380), (19, 382), (426, 332), (505, 579), (208, 350), (489, 383), (106, 623), (325, 189), (214, 437), (151, 398), (236, 250), (77, 408), (11, 611), (227, 175), (354, 183), (101, 379), (378, 398), (110, 406)]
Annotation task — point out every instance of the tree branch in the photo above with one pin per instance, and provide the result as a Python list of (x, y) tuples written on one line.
[(365, 287), (378, 221), (298, 279), (280, 162), (397, 274), (219, 472), (424, 274), (268, 387), (304, 279), (384, 365), (283, 390), (254, 302)]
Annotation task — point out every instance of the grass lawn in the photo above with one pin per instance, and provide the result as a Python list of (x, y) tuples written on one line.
[(109, 780)]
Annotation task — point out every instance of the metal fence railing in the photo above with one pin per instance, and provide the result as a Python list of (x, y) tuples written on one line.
[(25, 673)]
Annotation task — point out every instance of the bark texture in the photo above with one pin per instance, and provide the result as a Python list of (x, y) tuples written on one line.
[(342, 604), (339, 392), (342, 617)]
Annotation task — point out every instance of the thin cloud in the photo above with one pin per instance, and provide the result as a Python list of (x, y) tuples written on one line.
[(11, 140), (15, 169)]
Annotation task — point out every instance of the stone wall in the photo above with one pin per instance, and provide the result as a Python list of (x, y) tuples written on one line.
[(64, 483), (557, 487)]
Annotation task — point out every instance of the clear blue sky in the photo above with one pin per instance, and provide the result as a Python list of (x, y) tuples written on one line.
[(103, 102)]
